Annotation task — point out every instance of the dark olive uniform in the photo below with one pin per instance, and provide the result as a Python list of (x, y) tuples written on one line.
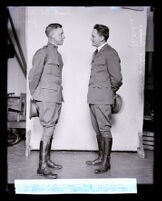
[(45, 79), (105, 80)]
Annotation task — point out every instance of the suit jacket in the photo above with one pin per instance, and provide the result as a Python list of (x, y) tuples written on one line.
[(45, 76), (105, 78)]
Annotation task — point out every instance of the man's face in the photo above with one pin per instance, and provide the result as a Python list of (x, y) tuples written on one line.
[(96, 38), (57, 35)]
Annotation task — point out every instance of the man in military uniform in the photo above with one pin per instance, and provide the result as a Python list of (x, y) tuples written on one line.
[(105, 80), (45, 79)]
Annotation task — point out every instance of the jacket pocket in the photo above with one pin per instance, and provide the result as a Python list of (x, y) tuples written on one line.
[(101, 85), (51, 87), (53, 69), (100, 61)]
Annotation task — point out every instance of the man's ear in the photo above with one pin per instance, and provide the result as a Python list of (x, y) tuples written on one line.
[(102, 38), (51, 33)]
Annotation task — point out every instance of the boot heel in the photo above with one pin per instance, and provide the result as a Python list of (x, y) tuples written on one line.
[(39, 172), (99, 159), (43, 169), (102, 169), (106, 159)]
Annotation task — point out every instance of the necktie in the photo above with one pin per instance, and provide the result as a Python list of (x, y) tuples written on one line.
[(96, 51)]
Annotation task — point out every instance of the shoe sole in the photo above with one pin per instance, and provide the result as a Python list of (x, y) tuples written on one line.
[(56, 168), (48, 176), (91, 163), (99, 171)]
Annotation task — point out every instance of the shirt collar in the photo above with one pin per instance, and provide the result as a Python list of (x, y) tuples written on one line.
[(53, 45), (99, 48)]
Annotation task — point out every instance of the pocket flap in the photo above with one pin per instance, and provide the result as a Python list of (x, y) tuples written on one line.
[(53, 62), (50, 86)]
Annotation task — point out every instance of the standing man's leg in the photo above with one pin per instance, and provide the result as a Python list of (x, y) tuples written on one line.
[(100, 141), (43, 169), (51, 163), (103, 116), (106, 159), (48, 115)]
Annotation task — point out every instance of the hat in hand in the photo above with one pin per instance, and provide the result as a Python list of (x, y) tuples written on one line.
[(33, 109), (116, 107)]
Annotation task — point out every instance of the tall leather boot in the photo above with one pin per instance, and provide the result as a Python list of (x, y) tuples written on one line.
[(50, 163), (43, 169), (106, 159), (99, 159)]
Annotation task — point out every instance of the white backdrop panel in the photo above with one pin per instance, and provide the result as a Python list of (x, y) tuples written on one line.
[(127, 35)]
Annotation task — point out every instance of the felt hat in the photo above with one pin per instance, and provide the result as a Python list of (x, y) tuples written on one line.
[(116, 107), (33, 109)]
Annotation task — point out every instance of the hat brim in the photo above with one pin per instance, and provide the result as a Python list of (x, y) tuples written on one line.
[(116, 107), (33, 109)]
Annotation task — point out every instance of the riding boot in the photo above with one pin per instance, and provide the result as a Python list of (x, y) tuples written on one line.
[(43, 169), (99, 159), (50, 163), (106, 159)]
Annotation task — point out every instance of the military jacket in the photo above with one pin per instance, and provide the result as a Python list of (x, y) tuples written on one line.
[(45, 76), (105, 78)]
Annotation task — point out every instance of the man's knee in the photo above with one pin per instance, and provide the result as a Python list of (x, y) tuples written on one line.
[(98, 133), (47, 133), (106, 134)]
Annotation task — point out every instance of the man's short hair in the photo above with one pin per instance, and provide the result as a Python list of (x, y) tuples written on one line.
[(51, 27), (102, 30)]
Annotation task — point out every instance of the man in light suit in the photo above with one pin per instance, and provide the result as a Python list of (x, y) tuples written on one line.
[(105, 80), (45, 79)]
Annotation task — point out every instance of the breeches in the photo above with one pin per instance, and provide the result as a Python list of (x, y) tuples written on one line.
[(49, 114), (101, 119)]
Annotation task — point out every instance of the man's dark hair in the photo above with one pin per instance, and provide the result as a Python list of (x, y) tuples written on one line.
[(51, 27), (102, 30)]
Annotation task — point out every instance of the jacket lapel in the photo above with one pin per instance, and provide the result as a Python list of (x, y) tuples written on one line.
[(100, 52)]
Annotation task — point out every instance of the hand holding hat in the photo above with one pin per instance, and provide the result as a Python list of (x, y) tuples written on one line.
[(116, 107)]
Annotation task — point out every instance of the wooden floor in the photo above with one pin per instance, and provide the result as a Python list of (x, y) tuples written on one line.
[(123, 165)]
